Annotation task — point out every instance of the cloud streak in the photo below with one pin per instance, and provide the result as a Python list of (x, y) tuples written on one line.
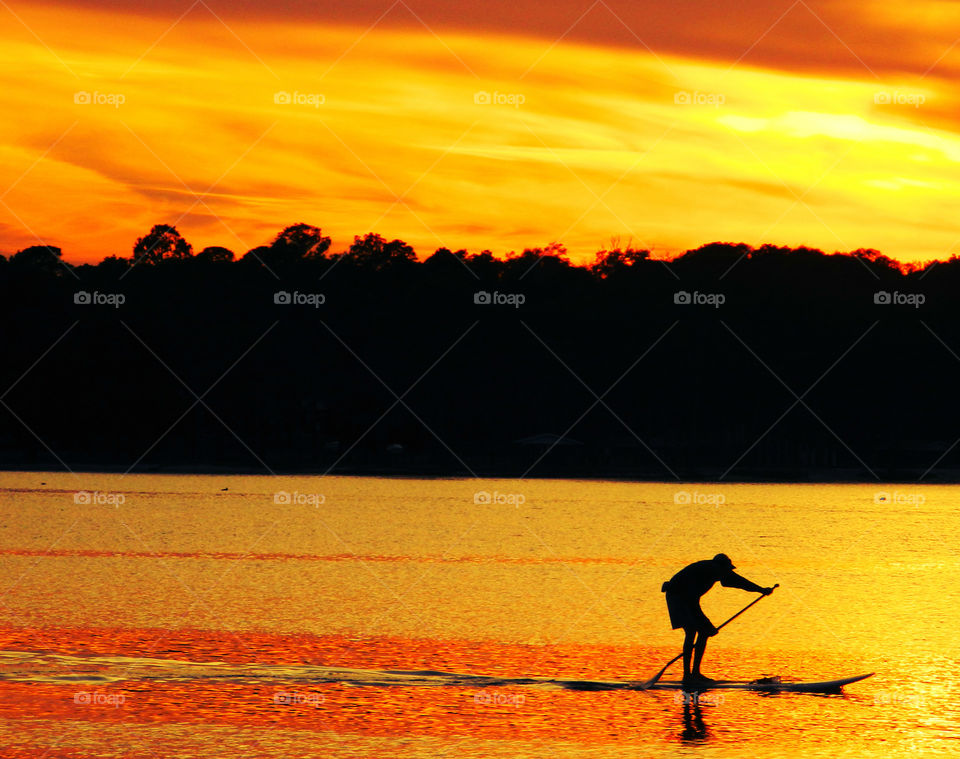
[(850, 36)]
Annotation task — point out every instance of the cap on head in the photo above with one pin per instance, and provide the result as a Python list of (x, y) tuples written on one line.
[(723, 560)]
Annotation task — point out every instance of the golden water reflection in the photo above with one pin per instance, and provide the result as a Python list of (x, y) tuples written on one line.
[(413, 575)]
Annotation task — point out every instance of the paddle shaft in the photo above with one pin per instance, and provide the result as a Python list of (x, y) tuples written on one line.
[(755, 600), (679, 656)]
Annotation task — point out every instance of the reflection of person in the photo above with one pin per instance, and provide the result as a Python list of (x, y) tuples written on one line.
[(683, 592), (694, 728)]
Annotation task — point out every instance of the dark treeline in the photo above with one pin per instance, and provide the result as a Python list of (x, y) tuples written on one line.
[(727, 361)]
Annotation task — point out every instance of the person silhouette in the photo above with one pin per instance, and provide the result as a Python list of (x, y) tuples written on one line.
[(683, 592)]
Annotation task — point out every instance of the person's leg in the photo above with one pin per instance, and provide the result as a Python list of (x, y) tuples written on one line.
[(688, 640), (699, 647), (705, 630)]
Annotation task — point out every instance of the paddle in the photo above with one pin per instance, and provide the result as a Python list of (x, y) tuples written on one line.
[(652, 681)]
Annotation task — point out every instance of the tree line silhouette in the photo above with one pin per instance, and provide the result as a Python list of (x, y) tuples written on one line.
[(727, 361)]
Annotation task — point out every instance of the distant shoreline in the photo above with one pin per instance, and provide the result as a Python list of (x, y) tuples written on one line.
[(797, 367)]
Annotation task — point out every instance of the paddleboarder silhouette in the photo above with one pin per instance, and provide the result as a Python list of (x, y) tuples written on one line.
[(683, 592)]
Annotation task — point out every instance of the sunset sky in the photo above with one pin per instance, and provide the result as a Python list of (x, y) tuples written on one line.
[(834, 124)]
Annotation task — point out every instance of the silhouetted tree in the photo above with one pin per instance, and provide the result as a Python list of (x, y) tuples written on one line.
[(444, 260), (299, 242), (113, 265), (875, 257), (259, 255), (718, 253), (485, 265), (215, 254), (550, 261), (616, 260), (41, 258), (163, 243), (373, 252), (553, 250)]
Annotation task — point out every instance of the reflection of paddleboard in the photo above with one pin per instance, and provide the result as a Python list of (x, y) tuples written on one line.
[(767, 684)]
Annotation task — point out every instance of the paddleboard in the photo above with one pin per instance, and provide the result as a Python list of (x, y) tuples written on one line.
[(769, 685)]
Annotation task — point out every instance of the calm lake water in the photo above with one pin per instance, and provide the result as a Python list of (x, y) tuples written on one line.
[(208, 616)]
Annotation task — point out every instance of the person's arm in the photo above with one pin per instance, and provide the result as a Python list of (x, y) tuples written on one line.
[(733, 580)]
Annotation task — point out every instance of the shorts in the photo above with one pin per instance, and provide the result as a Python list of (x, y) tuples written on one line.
[(685, 612)]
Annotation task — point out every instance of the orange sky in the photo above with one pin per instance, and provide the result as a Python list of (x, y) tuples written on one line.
[(787, 138)]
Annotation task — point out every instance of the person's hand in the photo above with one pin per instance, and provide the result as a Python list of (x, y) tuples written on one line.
[(711, 631), (767, 591)]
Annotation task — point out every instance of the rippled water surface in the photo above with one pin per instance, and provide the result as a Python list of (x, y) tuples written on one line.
[(161, 615)]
